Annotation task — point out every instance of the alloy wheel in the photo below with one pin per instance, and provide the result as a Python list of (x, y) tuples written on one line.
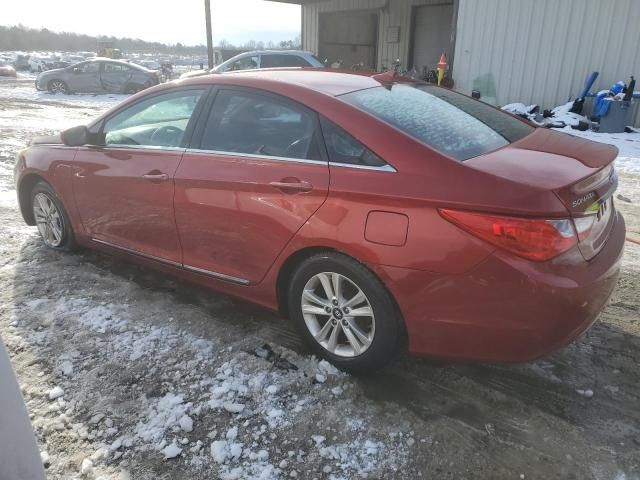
[(49, 220), (58, 86), (338, 314)]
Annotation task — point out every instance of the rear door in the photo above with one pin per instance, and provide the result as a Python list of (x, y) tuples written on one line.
[(115, 76), (124, 190), (255, 177)]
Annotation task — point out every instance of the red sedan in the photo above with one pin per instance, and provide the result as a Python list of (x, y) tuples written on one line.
[(368, 210)]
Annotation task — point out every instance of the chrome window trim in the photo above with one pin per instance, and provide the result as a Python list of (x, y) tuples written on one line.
[(121, 146), (135, 252), (384, 168), (221, 276), (256, 156)]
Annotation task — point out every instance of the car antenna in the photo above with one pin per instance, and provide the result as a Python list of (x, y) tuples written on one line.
[(387, 79)]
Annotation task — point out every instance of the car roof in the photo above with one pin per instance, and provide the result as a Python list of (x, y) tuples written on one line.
[(275, 52), (328, 81)]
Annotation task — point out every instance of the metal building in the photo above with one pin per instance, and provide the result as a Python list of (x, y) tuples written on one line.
[(533, 51)]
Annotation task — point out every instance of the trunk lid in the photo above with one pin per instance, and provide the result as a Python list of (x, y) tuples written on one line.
[(580, 172)]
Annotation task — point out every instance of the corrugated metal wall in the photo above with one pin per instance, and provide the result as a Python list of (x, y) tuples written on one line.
[(392, 13), (537, 51), (540, 51)]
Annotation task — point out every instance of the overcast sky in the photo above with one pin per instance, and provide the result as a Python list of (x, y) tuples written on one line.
[(167, 21)]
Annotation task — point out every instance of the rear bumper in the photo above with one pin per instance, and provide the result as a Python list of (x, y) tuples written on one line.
[(506, 309)]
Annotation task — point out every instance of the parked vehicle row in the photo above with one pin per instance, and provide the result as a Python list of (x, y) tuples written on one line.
[(368, 210)]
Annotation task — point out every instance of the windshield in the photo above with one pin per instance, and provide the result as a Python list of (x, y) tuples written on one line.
[(449, 122)]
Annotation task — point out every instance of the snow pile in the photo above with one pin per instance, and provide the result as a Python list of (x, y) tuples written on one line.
[(562, 114), (246, 414), (167, 414)]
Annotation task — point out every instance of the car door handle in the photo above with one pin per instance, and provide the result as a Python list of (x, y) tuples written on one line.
[(298, 186), (156, 177)]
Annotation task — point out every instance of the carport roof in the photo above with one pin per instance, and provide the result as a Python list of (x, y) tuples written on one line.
[(296, 2)]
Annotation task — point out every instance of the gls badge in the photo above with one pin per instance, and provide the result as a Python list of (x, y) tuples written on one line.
[(579, 201)]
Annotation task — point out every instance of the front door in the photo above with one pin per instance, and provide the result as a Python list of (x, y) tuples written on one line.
[(124, 189), (86, 78), (255, 179)]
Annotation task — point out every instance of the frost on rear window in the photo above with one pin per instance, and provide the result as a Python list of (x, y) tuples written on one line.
[(453, 124)]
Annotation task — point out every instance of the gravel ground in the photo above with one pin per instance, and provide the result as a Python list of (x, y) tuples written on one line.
[(129, 374)]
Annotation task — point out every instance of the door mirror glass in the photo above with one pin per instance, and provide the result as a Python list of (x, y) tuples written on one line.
[(76, 136)]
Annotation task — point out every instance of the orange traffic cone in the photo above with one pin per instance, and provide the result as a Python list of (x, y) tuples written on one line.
[(442, 67)]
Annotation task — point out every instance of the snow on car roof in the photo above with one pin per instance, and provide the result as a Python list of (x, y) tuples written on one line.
[(330, 82)]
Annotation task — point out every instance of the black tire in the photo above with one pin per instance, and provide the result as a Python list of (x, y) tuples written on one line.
[(388, 322), (68, 241), (58, 86)]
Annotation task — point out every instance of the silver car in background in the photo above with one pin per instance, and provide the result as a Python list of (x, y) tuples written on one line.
[(99, 75), (263, 59)]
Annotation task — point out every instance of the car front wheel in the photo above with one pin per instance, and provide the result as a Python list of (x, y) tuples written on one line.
[(58, 86), (51, 218), (344, 312)]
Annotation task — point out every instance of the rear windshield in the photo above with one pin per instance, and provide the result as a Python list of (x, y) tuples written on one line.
[(453, 124)]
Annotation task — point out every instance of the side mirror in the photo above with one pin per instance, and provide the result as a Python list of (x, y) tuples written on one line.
[(76, 136)]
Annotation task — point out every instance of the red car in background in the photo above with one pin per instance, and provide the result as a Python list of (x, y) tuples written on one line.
[(367, 209)]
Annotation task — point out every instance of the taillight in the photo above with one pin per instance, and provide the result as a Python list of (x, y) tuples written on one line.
[(584, 225), (532, 238)]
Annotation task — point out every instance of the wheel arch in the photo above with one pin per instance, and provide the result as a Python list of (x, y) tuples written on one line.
[(25, 187), (286, 271), (296, 258)]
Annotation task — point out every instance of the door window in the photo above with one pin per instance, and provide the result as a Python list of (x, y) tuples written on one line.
[(246, 63), (159, 121), (114, 67), (279, 60), (90, 67), (343, 148), (256, 124)]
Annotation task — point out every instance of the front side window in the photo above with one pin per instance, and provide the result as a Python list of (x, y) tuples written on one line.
[(90, 67), (449, 122), (343, 148), (246, 63), (157, 121), (256, 124)]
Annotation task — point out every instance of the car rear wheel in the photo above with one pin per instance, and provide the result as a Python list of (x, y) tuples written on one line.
[(131, 89), (51, 218), (58, 86), (344, 312)]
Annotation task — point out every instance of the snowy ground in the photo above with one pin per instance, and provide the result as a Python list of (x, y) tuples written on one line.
[(130, 374)]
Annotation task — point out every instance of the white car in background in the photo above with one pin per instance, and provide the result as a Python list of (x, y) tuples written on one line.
[(263, 59), (40, 64)]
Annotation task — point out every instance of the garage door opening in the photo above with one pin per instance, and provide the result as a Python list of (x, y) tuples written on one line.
[(350, 37), (432, 35)]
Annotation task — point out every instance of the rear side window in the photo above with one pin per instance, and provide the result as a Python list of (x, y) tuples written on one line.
[(249, 123), (277, 60), (452, 124), (343, 148), (115, 67)]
